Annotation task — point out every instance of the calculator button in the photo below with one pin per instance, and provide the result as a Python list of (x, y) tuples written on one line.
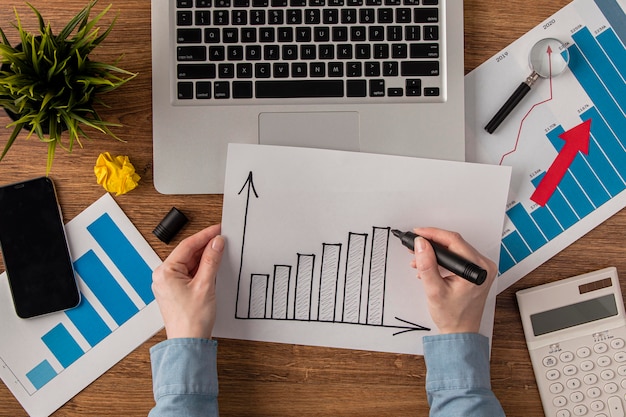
[(607, 374), (610, 388), (549, 361), (594, 392), (570, 370), (600, 347), (566, 357), (580, 410), (573, 383), (583, 352), (620, 357), (596, 406), (586, 366), (615, 407), (559, 401), (576, 397), (604, 361), (557, 388), (590, 379), (563, 413), (617, 343), (553, 374)]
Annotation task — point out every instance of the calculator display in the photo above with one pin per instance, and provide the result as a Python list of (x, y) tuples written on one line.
[(574, 315)]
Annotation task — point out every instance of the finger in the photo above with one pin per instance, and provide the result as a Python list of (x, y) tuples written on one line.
[(187, 250), (451, 240), (210, 262), (441, 236), (427, 267)]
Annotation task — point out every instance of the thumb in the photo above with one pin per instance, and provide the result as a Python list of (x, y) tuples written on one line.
[(210, 261), (426, 265)]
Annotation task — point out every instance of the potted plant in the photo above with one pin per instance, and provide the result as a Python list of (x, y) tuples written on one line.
[(49, 85)]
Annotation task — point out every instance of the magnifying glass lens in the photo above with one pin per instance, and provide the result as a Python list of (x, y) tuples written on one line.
[(548, 57)]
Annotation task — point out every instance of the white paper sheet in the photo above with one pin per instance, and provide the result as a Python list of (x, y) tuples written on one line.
[(47, 360), (306, 214), (592, 88)]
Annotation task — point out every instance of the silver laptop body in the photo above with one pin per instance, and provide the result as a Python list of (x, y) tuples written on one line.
[(194, 117)]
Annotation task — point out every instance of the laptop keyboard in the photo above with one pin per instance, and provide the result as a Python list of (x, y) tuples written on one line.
[(324, 51)]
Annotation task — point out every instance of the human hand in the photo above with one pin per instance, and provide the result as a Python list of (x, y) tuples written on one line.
[(184, 285), (455, 305)]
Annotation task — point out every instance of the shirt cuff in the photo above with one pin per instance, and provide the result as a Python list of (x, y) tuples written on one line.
[(457, 361), (184, 366)]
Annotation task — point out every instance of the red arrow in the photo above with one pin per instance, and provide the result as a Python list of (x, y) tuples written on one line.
[(576, 139)]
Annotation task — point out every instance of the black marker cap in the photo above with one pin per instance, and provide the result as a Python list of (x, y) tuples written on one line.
[(170, 225)]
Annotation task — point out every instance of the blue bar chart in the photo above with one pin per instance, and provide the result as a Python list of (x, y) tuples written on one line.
[(547, 211), (108, 291), (344, 288), (592, 179), (47, 360)]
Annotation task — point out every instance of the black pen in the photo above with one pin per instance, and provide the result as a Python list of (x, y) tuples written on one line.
[(449, 260)]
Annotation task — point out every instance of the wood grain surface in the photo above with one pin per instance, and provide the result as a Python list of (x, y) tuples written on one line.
[(264, 379)]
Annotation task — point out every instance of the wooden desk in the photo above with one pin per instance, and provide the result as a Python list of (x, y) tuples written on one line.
[(263, 379)]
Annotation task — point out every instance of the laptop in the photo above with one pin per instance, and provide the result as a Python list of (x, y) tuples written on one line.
[(377, 76)]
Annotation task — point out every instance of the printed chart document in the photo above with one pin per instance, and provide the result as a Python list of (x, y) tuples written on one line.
[(566, 140), (310, 258), (47, 360)]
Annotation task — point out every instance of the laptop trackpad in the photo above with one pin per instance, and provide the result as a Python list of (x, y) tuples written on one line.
[(327, 130)]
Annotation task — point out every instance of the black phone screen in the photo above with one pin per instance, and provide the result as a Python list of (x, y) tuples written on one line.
[(34, 249)]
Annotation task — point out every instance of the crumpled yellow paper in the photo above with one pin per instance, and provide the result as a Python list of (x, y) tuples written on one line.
[(117, 175)]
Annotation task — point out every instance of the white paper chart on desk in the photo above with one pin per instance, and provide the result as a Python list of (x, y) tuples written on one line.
[(47, 360), (585, 107), (310, 258)]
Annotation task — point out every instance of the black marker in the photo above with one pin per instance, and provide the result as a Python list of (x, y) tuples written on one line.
[(449, 260)]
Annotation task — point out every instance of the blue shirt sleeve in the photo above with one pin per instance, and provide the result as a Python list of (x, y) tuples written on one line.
[(184, 378), (457, 376)]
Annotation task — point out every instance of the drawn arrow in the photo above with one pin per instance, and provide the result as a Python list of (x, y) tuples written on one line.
[(407, 329), (249, 184), (576, 140)]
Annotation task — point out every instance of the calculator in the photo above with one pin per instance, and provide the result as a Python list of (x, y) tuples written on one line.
[(575, 331)]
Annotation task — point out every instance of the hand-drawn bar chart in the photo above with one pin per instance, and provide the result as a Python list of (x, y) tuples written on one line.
[(47, 360), (599, 65), (343, 282), (309, 292)]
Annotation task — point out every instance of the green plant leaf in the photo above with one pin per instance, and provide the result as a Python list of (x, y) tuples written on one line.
[(80, 18), (42, 24), (16, 131), (52, 145)]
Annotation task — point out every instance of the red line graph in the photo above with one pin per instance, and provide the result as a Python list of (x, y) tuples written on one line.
[(519, 132)]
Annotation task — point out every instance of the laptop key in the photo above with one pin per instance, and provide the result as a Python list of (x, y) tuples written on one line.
[(356, 88), (419, 68), (191, 53), (188, 35), (242, 89), (221, 89), (299, 88), (424, 50), (426, 15), (196, 71)]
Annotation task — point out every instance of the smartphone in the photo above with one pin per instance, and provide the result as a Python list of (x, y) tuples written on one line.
[(34, 249)]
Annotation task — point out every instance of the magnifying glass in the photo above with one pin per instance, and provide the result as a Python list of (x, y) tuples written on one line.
[(547, 58)]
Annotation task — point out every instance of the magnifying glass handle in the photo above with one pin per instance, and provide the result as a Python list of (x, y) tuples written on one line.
[(507, 107)]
